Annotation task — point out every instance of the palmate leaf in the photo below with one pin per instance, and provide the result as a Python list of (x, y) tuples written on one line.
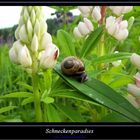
[(104, 95)]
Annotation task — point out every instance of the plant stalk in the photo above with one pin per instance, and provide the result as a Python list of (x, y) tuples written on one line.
[(35, 83), (101, 49)]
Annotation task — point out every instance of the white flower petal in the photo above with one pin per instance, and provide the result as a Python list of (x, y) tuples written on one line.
[(77, 33), (110, 21), (96, 13), (134, 90), (46, 39), (133, 101), (88, 24), (24, 57), (83, 28), (137, 78), (135, 60), (34, 44), (121, 35), (123, 24)]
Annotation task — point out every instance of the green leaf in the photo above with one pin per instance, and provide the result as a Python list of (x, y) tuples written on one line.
[(47, 100), (7, 108), (27, 101), (26, 86), (72, 114), (111, 58), (115, 117), (104, 95), (48, 79), (66, 43), (52, 114), (17, 95), (74, 95), (91, 41)]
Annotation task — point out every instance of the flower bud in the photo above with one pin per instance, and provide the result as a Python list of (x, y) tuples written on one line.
[(127, 9), (135, 60), (76, 33), (138, 100), (118, 62), (134, 90), (40, 54), (25, 14), (33, 17), (133, 101), (118, 10), (83, 28), (43, 27), (34, 44), (13, 53), (89, 24), (29, 29), (21, 21), (49, 57), (85, 10), (137, 78), (24, 57), (17, 33), (23, 34), (96, 13), (121, 35), (110, 21), (130, 22), (117, 28), (123, 24), (29, 8), (37, 28), (46, 39)]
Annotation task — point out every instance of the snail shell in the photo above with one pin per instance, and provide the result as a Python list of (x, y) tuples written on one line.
[(73, 66)]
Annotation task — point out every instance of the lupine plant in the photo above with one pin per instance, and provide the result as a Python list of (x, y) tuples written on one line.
[(101, 37)]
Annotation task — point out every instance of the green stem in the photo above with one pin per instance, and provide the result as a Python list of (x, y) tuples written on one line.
[(35, 82), (101, 49)]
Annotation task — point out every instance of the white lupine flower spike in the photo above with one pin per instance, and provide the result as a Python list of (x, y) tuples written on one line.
[(33, 39)]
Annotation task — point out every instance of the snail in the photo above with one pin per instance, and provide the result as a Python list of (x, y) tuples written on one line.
[(73, 66)]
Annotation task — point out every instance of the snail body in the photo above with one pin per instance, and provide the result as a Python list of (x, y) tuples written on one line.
[(73, 66)]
